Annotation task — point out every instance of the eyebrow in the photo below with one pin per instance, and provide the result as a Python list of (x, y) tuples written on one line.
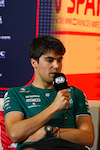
[(53, 58)]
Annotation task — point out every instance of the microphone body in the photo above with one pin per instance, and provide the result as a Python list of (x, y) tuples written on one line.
[(60, 83)]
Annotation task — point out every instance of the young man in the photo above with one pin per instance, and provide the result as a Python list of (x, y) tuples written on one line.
[(35, 115)]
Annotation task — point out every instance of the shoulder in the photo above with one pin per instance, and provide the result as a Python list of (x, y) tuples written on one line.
[(78, 95), (17, 91), (75, 90)]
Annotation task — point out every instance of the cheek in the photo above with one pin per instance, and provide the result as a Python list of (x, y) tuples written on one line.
[(43, 68), (60, 65)]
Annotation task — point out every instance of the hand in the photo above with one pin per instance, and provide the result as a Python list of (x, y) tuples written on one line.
[(38, 135), (61, 101)]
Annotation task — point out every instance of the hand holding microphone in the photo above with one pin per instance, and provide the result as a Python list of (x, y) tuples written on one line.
[(63, 95)]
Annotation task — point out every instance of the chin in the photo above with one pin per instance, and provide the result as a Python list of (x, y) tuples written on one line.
[(50, 80)]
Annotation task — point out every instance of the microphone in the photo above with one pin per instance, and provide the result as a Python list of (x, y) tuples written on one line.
[(60, 83)]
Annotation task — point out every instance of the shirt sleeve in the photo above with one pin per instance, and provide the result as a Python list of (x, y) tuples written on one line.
[(81, 103), (11, 102)]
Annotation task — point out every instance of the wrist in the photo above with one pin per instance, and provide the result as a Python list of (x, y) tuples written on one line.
[(54, 109), (48, 129), (51, 131), (55, 132)]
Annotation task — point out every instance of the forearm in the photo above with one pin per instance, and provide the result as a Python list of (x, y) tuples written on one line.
[(73, 135), (22, 129), (77, 136)]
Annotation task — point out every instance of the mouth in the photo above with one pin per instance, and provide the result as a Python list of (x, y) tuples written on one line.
[(53, 73)]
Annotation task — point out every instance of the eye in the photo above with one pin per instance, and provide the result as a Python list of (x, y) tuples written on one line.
[(49, 60), (60, 60)]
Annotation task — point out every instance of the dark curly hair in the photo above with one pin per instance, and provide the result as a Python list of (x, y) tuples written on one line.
[(44, 44)]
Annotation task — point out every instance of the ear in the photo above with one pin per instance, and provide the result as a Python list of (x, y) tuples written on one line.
[(33, 63)]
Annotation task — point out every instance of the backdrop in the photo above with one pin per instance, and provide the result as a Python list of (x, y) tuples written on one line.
[(75, 22)]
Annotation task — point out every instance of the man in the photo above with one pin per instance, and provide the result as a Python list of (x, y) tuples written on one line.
[(35, 115)]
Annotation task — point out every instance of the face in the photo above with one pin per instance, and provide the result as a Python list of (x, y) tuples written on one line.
[(49, 64)]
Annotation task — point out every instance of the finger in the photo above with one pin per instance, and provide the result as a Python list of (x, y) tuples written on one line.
[(65, 90), (67, 104), (68, 97)]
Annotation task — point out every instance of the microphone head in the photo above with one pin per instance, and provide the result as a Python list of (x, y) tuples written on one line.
[(60, 82)]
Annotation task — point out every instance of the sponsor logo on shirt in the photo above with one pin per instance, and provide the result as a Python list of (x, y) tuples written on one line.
[(23, 90), (6, 101), (71, 100), (33, 100), (47, 94), (86, 102)]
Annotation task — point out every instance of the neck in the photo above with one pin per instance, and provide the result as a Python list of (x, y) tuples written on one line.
[(42, 85)]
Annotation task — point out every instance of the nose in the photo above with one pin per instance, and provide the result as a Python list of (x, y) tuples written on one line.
[(55, 64)]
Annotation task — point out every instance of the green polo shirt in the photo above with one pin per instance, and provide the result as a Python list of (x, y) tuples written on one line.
[(31, 100)]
